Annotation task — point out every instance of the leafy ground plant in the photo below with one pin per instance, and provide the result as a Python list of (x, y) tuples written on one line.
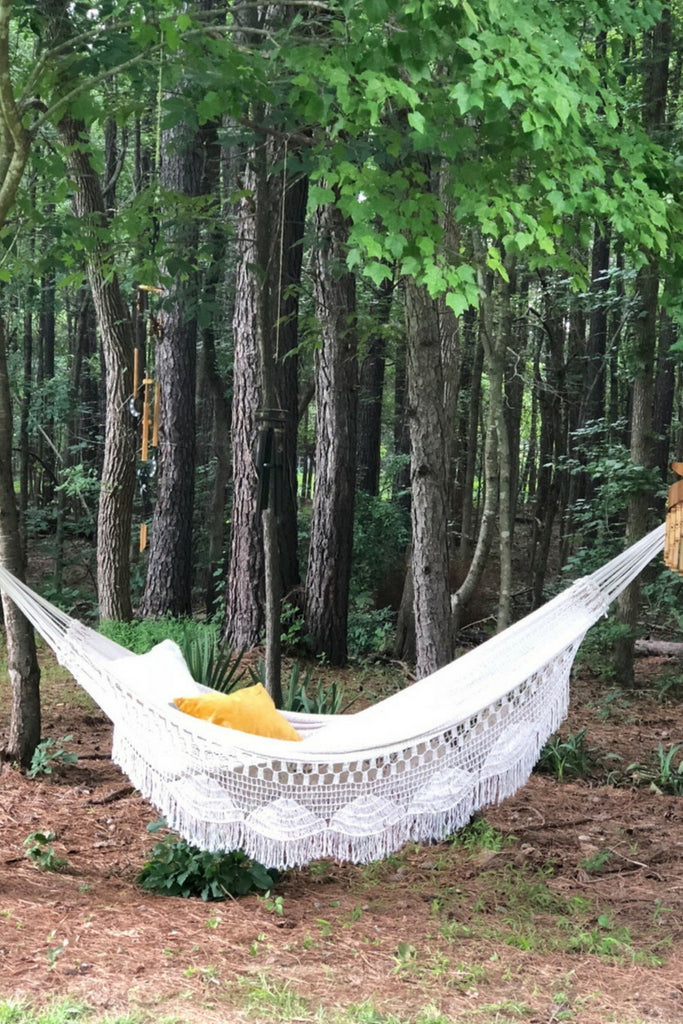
[(664, 774), (49, 754), (40, 851), (176, 868), (566, 758)]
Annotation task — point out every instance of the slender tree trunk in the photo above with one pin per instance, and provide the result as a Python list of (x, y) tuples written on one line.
[(657, 47), (471, 436), (118, 470), (244, 595), (331, 544), (429, 482), (642, 454), (22, 663), (371, 392)]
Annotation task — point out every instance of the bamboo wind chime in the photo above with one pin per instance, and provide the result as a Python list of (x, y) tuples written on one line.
[(673, 536), (151, 410)]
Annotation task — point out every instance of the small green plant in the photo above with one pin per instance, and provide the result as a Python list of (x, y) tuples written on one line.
[(566, 758), (273, 904), (175, 868), (39, 849), (208, 663), (325, 700), (50, 754), (663, 775), (479, 835), (669, 687), (405, 958), (597, 862), (54, 952)]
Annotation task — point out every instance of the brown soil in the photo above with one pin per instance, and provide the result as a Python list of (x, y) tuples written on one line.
[(578, 917)]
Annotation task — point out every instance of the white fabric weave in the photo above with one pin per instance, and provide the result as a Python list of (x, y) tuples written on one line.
[(413, 767)]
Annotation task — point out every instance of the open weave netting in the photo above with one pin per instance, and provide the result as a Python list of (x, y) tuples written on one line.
[(414, 767)]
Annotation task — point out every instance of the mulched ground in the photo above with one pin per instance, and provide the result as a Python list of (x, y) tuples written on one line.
[(477, 934)]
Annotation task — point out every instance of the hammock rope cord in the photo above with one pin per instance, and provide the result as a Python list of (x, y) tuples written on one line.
[(413, 767)]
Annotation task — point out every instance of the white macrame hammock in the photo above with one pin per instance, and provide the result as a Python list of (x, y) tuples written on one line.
[(413, 767)]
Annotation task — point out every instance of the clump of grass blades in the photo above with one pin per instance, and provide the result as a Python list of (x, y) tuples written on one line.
[(210, 664)]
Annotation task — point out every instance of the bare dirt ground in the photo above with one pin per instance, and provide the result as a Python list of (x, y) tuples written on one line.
[(578, 917)]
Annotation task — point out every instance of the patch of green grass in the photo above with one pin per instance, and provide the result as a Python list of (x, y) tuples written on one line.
[(516, 907), (480, 835), (278, 1000), (67, 1011)]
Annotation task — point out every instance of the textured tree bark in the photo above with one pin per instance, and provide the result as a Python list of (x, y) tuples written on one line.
[(244, 596), (429, 482), (168, 588), (22, 663), (336, 373), (118, 469), (642, 452), (371, 390)]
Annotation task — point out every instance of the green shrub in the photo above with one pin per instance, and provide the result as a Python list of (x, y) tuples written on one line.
[(50, 753), (175, 868), (369, 629), (380, 538), (140, 635), (40, 851)]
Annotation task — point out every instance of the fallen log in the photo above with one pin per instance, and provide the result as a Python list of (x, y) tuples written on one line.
[(662, 648)]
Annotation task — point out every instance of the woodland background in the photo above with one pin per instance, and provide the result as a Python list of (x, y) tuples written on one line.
[(421, 260)]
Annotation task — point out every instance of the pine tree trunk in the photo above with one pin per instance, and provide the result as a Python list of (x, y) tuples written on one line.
[(336, 374), (371, 390), (118, 470), (244, 595), (168, 588), (429, 483)]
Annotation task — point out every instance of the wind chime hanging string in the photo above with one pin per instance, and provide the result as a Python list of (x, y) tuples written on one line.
[(673, 536)]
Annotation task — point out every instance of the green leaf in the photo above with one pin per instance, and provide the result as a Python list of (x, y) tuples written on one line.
[(417, 121), (377, 272)]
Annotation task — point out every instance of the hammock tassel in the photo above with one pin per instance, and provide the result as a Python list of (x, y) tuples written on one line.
[(673, 536)]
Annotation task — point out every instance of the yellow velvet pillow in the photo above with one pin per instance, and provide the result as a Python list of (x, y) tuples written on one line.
[(250, 710)]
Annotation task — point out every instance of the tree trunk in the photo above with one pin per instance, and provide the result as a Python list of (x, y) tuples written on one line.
[(642, 453), (22, 663), (118, 470), (336, 375), (657, 46), (429, 482), (371, 390), (244, 595), (168, 589)]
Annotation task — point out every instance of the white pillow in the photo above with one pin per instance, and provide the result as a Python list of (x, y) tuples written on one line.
[(159, 676)]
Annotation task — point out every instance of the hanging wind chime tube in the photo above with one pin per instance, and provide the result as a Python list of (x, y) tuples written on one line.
[(673, 536)]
